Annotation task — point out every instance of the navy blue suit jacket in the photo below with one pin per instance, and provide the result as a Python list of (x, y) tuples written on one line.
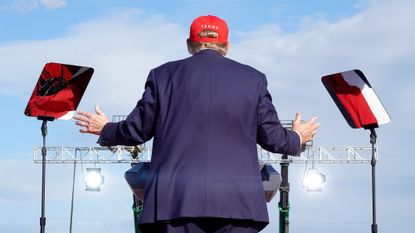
[(207, 113)]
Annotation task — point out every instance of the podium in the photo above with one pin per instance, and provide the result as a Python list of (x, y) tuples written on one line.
[(137, 176)]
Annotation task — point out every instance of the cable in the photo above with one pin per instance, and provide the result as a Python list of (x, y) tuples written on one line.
[(73, 191)]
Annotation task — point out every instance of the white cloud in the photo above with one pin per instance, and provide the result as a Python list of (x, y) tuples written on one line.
[(122, 48), (379, 41), (26, 6), (53, 4), (23, 6)]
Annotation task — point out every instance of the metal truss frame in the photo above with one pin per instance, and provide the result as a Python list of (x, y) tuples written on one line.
[(142, 153)]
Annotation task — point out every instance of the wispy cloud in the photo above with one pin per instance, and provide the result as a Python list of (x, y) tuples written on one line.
[(53, 4), (26, 6), (376, 41), (379, 41), (122, 48), (21, 6)]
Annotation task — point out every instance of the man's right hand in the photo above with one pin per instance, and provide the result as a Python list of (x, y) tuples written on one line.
[(307, 130), (91, 123)]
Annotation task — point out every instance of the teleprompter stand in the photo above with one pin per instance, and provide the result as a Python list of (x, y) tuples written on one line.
[(44, 130), (56, 95), (137, 204), (361, 108), (284, 205), (373, 137)]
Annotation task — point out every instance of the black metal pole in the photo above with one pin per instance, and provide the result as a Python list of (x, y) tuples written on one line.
[(284, 205), (373, 137), (44, 129), (136, 208), (136, 213)]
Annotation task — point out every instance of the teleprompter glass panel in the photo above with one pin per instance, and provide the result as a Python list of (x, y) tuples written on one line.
[(58, 91)]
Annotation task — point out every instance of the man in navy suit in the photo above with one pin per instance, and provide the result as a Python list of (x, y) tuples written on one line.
[(206, 113)]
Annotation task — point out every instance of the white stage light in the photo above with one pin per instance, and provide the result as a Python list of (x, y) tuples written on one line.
[(93, 179), (313, 180)]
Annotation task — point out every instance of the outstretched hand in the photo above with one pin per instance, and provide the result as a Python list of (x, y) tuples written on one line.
[(91, 123), (307, 130)]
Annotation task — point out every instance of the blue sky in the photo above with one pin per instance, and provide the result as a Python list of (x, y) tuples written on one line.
[(35, 21), (293, 42)]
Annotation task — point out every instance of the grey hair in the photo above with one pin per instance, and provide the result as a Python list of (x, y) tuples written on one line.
[(195, 47)]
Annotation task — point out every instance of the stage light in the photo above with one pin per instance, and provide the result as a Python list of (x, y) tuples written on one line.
[(313, 180), (93, 179)]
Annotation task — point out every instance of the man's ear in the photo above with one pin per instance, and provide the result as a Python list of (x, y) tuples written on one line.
[(227, 47), (188, 47)]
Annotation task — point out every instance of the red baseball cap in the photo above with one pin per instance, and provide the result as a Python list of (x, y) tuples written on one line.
[(209, 22)]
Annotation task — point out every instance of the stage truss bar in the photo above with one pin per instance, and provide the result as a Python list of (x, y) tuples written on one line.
[(117, 118), (142, 153), (326, 154), (94, 155)]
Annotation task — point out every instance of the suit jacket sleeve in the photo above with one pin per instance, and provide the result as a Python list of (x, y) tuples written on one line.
[(139, 125), (271, 135)]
